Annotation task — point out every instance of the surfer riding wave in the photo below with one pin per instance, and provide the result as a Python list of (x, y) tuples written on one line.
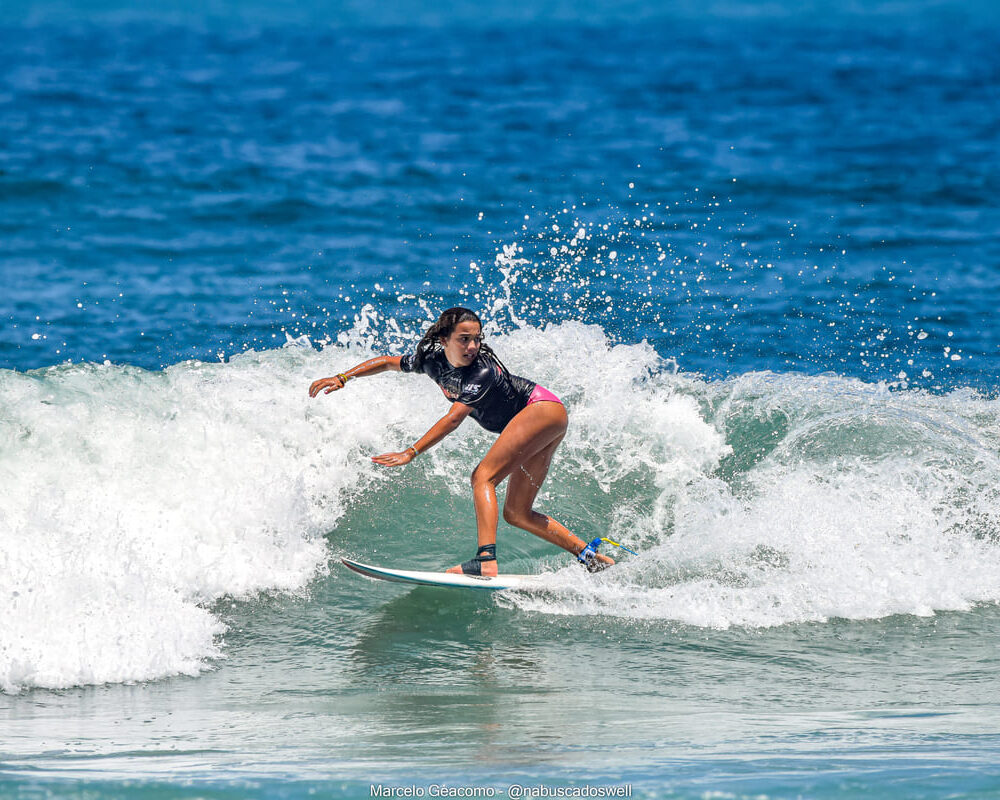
[(530, 420)]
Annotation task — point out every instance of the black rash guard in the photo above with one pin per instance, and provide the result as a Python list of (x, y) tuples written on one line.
[(493, 393)]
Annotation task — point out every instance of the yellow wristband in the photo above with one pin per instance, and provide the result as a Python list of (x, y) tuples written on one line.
[(342, 376), (414, 449)]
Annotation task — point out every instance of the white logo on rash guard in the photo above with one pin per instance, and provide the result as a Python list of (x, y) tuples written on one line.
[(473, 387)]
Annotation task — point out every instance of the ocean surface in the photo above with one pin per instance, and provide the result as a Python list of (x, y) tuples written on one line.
[(755, 248)]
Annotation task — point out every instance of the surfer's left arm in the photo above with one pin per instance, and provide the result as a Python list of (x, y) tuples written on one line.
[(449, 422), (372, 366)]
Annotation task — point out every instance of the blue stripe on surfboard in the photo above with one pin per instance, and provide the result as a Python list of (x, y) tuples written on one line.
[(440, 579)]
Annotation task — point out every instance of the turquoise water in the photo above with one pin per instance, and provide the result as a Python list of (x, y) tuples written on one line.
[(753, 248)]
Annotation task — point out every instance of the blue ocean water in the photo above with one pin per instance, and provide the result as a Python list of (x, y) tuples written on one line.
[(756, 248)]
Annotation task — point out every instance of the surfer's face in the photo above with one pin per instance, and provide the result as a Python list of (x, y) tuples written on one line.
[(462, 346)]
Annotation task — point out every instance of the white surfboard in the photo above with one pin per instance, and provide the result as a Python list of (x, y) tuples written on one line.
[(443, 578)]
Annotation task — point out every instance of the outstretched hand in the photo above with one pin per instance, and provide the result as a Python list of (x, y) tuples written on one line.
[(329, 384), (394, 459)]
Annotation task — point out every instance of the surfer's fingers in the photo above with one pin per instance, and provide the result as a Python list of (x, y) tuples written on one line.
[(391, 459), (329, 384), (318, 386)]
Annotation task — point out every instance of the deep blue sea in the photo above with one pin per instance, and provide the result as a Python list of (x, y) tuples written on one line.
[(754, 246)]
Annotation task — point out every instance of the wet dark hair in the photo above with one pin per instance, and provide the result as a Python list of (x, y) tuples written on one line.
[(449, 320)]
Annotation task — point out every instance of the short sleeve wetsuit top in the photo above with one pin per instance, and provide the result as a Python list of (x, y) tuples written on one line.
[(493, 393)]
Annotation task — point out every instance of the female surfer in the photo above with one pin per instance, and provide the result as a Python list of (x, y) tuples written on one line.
[(530, 419)]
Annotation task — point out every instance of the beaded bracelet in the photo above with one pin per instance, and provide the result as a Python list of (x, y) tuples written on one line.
[(414, 449)]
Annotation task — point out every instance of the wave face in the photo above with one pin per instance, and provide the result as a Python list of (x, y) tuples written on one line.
[(140, 504)]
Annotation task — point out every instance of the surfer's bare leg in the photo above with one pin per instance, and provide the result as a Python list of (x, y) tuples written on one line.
[(535, 429), (525, 483)]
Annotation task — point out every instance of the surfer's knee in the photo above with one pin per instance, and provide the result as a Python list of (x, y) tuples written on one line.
[(523, 519), (480, 477), (513, 516)]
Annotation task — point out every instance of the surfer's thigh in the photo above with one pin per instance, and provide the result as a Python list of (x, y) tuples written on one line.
[(531, 431)]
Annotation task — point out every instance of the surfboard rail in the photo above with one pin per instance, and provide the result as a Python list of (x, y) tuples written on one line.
[(441, 579)]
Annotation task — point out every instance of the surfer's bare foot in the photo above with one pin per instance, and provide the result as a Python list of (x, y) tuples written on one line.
[(488, 569), (485, 563), (598, 561)]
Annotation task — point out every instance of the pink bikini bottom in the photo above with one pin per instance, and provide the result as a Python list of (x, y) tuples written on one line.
[(540, 393)]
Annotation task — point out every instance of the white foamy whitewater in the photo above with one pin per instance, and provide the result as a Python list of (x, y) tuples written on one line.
[(134, 501), (797, 498)]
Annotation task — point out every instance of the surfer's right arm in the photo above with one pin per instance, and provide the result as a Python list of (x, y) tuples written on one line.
[(447, 424), (371, 367)]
